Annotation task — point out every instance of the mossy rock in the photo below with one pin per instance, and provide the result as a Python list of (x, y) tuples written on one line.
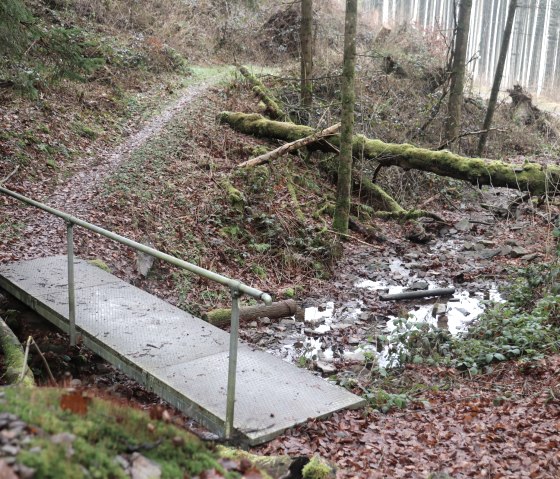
[(318, 468)]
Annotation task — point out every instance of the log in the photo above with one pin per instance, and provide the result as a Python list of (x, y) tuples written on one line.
[(532, 177), (292, 146), (417, 294), (280, 309), (273, 109)]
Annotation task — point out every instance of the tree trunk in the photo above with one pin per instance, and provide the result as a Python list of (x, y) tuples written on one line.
[(532, 177), (281, 309), (498, 77), (273, 109), (306, 42), (344, 183), (458, 70)]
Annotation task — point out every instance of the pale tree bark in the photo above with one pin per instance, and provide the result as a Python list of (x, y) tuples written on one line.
[(306, 41), (498, 76), (344, 183), (458, 70)]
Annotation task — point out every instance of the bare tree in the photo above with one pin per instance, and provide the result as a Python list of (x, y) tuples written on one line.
[(306, 41), (498, 76), (344, 181), (458, 70)]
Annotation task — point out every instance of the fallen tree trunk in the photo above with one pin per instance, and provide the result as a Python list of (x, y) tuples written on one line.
[(532, 177), (417, 294), (273, 109), (280, 309), (292, 146)]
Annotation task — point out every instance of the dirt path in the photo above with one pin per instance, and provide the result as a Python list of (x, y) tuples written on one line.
[(44, 233)]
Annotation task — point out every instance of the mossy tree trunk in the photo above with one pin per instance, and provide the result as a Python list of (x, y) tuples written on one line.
[(532, 177), (498, 76), (344, 183), (458, 71), (306, 45)]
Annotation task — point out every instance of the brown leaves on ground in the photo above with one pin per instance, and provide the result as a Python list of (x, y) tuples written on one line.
[(506, 425), (76, 402)]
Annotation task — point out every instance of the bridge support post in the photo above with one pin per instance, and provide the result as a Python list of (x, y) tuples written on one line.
[(232, 369), (71, 285)]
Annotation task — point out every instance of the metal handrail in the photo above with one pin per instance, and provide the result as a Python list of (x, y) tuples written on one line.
[(237, 288)]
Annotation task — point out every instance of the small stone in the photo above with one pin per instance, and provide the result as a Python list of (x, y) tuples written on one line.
[(512, 242), (253, 324), (505, 250), (468, 246), (529, 257), (122, 461), (143, 468), (178, 441), (265, 321), (353, 340), (487, 243), (25, 472), (419, 286), (63, 438), (479, 247), (489, 253), (75, 383), (463, 225), (439, 309), (325, 368), (6, 472), (518, 251), (10, 450)]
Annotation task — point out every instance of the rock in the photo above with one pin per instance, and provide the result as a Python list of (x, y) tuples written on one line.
[(264, 321), (75, 383), (479, 247), (63, 438), (325, 368), (443, 322), (143, 468), (505, 250), (463, 225), (487, 243), (512, 242), (122, 461), (418, 286), (518, 251), (489, 253), (529, 257), (25, 472), (144, 262), (6, 472), (353, 340), (468, 246), (439, 309), (10, 450)]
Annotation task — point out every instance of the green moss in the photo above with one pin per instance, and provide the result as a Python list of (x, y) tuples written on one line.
[(317, 469), (289, 293), (105, 431), (100, 264)]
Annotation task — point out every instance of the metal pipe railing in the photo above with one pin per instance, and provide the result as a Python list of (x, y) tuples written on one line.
[(236, 287)]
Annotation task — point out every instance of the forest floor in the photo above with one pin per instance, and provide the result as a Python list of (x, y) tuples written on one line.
[(163, 184)]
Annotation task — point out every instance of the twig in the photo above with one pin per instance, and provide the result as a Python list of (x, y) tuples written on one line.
[(352, 238), (51, 377), (468, 133), (25, 356), (10, 175)]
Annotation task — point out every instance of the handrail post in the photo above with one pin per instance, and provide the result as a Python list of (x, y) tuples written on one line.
[(71, 285), (232, 369)]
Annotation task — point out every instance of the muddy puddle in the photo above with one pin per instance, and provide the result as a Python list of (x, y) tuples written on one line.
[(327, 332)]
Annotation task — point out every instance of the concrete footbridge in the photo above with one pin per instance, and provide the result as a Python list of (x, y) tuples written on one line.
[(232, 388)]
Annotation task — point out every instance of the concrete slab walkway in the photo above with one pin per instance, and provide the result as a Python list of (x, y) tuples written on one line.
[(180, 357)]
